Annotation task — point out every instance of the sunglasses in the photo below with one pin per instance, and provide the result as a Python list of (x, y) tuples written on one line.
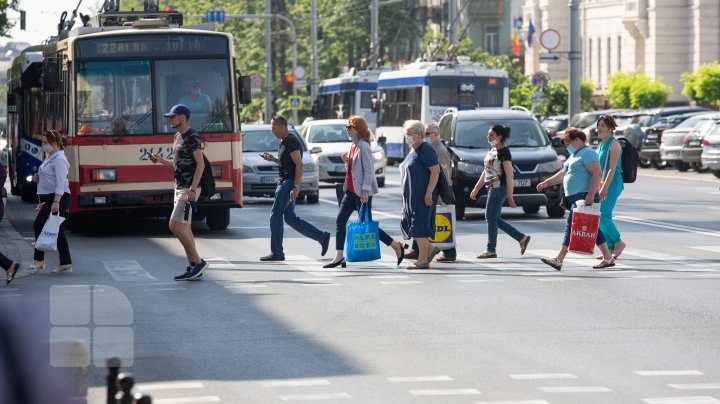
[(350, 127), (429, 133)]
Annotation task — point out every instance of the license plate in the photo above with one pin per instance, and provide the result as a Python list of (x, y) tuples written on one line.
[(694, 143), (522, 183), (269, 180)]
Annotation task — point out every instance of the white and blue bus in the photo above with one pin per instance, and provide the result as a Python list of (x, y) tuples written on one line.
[(424, 90), (349, 94)]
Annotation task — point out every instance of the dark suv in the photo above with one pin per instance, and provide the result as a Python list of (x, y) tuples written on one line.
[(534, 160)]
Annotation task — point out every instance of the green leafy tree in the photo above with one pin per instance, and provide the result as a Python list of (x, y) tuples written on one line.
[(636, 90), (556, 97), (5, 24), (703, 84)]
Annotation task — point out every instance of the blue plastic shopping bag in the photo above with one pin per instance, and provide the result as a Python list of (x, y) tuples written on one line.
[(363, 237)]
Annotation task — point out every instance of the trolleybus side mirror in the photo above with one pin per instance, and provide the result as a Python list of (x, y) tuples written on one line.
[(50, 75), (382, 140), (244, 90)]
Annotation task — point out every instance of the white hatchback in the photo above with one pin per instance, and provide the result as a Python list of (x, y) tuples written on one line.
[(331, 136)]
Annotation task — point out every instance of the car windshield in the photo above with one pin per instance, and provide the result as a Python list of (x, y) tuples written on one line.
[(523, 133), (263, 140), (583, 121), (703, 125), (552, 124), (328, 134)]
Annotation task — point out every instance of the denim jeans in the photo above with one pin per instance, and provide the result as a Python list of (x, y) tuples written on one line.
[(568, 224), (350, 203), (5, 262), (284, 208), (493, 210)]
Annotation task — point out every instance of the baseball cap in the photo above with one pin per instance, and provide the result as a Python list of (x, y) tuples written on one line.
[(178, 109)]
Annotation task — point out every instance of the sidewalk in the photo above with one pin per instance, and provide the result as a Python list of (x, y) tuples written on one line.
[(14, 246)]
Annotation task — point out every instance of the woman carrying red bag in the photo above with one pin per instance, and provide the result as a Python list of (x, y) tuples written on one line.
[(581, 176)]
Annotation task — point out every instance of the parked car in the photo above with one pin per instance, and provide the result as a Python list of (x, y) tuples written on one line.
[(260, 177), (331, 136), (673, 140), (586, 121), (534, 160), (710, 155), (555, 124), (649, 153)]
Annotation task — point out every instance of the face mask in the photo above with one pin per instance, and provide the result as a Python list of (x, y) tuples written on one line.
[(571, 149), (494, 142), (353, 137), (47, 148), (427, 139), (409, 140)]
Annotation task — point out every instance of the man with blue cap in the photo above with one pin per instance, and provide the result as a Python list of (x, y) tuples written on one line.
[(187, 165)]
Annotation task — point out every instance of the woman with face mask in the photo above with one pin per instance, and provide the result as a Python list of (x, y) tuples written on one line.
[(497, 178), (54, 194), (609, 152), (419, 191), (360, 185), (581, 176)]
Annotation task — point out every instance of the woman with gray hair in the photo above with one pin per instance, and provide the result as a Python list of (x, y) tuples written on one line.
[(419, 191)]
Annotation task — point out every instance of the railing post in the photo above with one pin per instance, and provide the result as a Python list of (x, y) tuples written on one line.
[(113, 365)]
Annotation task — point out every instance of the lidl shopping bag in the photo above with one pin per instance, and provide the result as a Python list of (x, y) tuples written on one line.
[(584, 229), (47, 241), (444, 237), (363, 237)]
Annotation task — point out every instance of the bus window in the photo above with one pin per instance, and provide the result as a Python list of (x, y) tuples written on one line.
[(366, 99), (202, 85)]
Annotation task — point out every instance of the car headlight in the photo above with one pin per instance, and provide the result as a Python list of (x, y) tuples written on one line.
[(470, 168), (309, 167), (550, 166), (378, 155), (247, 169)]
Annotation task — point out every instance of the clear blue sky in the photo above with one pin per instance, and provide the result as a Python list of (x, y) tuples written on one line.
[(43, 17)]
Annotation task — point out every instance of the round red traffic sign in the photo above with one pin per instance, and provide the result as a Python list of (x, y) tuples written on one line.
[(550, 39)]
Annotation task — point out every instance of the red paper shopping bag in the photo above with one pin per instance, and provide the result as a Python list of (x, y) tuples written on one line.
[(584, 229)]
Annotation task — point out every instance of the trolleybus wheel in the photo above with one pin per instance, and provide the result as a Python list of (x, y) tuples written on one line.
[(218, 218)]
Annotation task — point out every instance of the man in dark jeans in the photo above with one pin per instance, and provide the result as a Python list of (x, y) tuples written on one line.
[(291, 170)]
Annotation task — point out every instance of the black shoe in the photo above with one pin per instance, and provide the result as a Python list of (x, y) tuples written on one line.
[(271, 257), (401, 257), (197, 271), (183, 277), (325, 243), (553, 262), (11, 273), (336, 263)]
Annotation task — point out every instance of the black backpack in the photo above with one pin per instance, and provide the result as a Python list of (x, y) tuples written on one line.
[(629, 160), (207, 181)]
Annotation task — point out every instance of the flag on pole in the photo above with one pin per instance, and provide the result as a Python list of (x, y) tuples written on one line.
[(515, 35), (531, 32)]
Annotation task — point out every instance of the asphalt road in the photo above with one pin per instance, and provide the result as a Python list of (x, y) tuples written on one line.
[(509, 330)]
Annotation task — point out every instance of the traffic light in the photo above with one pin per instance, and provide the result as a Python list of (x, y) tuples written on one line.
[(22, 20), (288, 83)]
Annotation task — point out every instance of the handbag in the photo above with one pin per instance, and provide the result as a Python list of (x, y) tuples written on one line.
[(444, 237), (47, 240), (445, 191), (362, 239)]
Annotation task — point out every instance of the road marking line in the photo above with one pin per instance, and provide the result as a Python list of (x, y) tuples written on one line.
[(297, 383), (539, 273), (643, 277), (669, 372), (710, 248), (313, 397), (411, 379), (464, 275), (708, 275), (374, 212), (668, 226), (513, 402), (188, 400), (542, 376), (127, 270), (312, 279), (696, 386), (8, 290), (220, 263), (563, 279), (479, 280), (13, 295), (389, 277), (615, 271), (321, 284), (576, 389), (168, 386), (445, 392), (400, 282), (682, 400), (163, 289), (663, 258)]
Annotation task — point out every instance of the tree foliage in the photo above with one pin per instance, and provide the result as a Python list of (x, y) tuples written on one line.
[(636, 90), (703, 84), (5, 24), (556, 94)]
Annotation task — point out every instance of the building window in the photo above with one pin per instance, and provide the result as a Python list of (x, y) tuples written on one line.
[(588, 61), (492, 39), (619, 53), (599, 62), (609, 66)]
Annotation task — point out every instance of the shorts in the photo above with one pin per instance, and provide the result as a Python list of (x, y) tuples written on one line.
[(178, 213)]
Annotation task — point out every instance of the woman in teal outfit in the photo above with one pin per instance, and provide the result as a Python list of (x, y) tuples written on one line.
[(612, 184)]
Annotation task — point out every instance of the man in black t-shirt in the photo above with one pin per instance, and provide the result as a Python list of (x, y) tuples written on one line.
[(291, 170)]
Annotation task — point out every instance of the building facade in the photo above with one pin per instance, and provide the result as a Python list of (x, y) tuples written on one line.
[(662, 38)]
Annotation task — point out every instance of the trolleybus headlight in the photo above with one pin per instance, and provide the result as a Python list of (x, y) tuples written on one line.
[(29, 178), (100, 200), (216, 171), (104, 174)]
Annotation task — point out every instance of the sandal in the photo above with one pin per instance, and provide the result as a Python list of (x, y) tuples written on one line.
[(11, 272), (605, 264), (553, 262), (487, 254), (524, 244), (419, 265)]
